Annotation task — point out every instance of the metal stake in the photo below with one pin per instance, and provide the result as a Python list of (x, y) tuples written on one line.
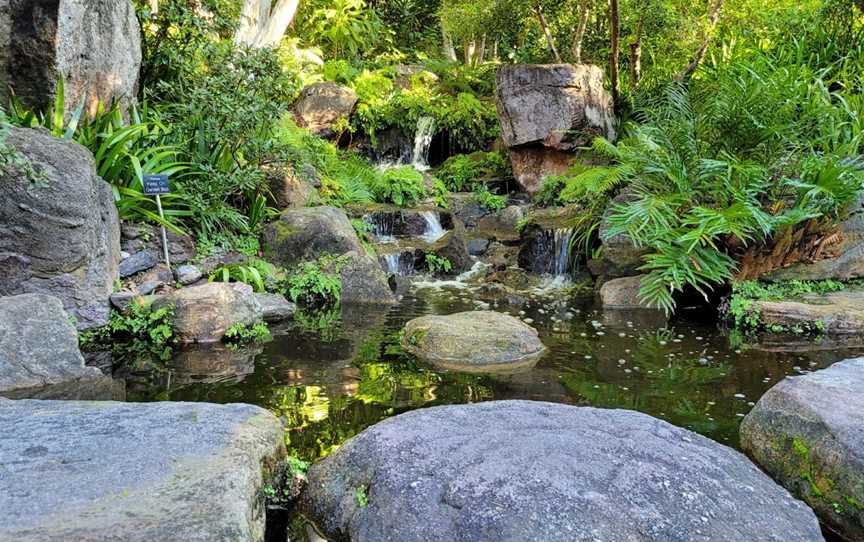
[(164, 234)]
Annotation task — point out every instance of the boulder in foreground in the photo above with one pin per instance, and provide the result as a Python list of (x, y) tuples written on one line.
[(39, 349), (135, 472), (522, 470), (474, 341), (808, 433)]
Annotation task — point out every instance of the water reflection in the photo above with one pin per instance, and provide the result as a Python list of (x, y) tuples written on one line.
[(330, 385)]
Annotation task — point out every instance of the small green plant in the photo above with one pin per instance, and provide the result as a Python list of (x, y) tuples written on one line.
[(360, 497), (743, 310), (438, 264), (255, 273), (140, 328), (522, 223), (244, 334), (465, 172), (402, 186), (488, 200), (316, 284)]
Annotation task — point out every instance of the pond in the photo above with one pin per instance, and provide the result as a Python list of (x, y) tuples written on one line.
[(331, 379)]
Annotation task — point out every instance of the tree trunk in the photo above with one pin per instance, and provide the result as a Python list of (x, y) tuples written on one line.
[(495, 51), (636, 55), (481, 52), (253, 17), (276, 25), (614, 32), (154, 7), (449, 50), (713, 19), (539, 11), (580, 33)]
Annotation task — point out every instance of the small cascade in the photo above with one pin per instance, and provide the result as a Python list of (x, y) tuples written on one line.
[(434, 229), (399, 263), (383, 226), (422, 142), (552, 252)]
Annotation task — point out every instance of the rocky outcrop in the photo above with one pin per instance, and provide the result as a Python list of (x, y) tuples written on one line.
[(135, 472), (522, 470), (836, 313), (59, 232), (806, 432), (94, 45), (39, 349), (847, 257), (289, 191), (476, 341), (306, 234), (204, 313), (363, 280), (547, 111), (322, 105)]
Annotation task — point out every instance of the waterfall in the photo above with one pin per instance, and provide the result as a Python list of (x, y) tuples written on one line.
[(399, 263), (383, 226), (549, 252), (422, 141), (434, 230), (561, 239)]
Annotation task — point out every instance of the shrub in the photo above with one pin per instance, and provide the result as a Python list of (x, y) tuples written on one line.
[(316, 284), (243, 334), (438, 264), (488, 200), (256, 273), (465, 171), (401, 186)]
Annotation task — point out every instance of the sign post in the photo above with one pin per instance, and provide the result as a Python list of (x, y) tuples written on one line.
[(155, 185)]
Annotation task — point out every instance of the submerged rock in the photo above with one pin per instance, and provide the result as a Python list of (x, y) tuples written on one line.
[(475, 341), (204, 313), (306, 234), (59, 233), (39, 350), (807, 432), (94, 45), (135, 472), (322, 105), (522, 470)]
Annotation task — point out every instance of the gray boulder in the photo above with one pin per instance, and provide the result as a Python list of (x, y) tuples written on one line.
[(135, 263), (364, 281), (560, 106), (453, 248), (322, 105), (521, 470), (622, 293), (135, 472), (290, 191), (204, 313), (274, 307), (306, 234), (59, 234), (187, 274), (621, 256), (39, 348), (474, 341), (95, 45), (807, 433)]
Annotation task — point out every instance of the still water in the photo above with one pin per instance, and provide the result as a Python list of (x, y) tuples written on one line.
[(330, 379)]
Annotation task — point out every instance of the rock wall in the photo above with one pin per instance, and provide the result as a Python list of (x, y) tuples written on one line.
[(94, 44), (59, 234)]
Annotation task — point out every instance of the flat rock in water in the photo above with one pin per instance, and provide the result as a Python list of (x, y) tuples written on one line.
[(836, 313), (39, 348), (274, 307), (204, 313), (105, 471), (808, 433), (523, 470), (478, 341)]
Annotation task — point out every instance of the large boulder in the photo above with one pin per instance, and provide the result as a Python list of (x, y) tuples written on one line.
[(203, 314), (39, 348), (807, 432), (478, 341), (289, 190), (306, 234), (322, 105), (522, 470), (560, 106), (274, 307), (94, 45), (364, 281), (622, 293), (59, 231), (135, 472), (453, 248)]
